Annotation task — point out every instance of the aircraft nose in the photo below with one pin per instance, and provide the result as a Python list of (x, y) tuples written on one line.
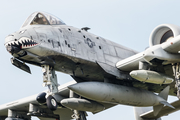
[(9, 47), (14, 44), (12, 49), (9, 38), (133, 74)]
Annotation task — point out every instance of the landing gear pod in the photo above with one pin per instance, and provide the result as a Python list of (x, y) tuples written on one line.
[(41, 98), (51, 103)]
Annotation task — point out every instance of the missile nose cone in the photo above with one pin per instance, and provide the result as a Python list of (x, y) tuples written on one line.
[(75, 87), (70, 103), (72, 87), (133, 74), (140, 75), (65, 102), (88, 89)]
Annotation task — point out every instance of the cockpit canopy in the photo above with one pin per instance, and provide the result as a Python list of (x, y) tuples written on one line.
[(41, 18)]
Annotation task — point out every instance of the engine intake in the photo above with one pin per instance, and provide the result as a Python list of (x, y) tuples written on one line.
[(163, 33)]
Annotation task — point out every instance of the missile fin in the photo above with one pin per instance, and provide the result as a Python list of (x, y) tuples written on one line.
[(157, 109), (163, 94), (167, 104)]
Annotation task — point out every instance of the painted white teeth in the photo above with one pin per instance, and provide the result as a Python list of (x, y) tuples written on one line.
[(22, 42), (17, 43), (12, 43)]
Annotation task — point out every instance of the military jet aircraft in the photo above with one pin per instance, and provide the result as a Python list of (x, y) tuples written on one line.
[(105, 73)]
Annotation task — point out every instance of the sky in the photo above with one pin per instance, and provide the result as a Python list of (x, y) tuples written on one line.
[(126, 22)]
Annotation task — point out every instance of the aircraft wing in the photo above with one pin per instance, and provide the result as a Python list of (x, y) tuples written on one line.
[(151, 55), (158, 62), (164, 47), (23, 107)]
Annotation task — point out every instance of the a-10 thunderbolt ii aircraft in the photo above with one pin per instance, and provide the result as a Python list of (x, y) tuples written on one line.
[(105, 74)]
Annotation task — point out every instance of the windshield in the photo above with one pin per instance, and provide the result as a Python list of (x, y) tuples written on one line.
[(53, 20), (41, 18)]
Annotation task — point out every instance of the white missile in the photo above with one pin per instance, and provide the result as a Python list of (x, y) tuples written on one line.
[(117, 94), (82, 105), (151, 77)]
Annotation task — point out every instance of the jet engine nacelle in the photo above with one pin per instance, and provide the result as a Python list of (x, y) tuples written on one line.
[(163, 33)]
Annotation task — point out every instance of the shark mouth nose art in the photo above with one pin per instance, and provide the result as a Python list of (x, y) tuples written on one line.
[(22, 43)]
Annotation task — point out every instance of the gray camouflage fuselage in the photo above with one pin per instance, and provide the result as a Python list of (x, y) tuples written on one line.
[(84, 56)]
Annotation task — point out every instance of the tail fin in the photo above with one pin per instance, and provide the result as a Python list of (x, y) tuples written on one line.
[(163, 94), (157, 109)]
